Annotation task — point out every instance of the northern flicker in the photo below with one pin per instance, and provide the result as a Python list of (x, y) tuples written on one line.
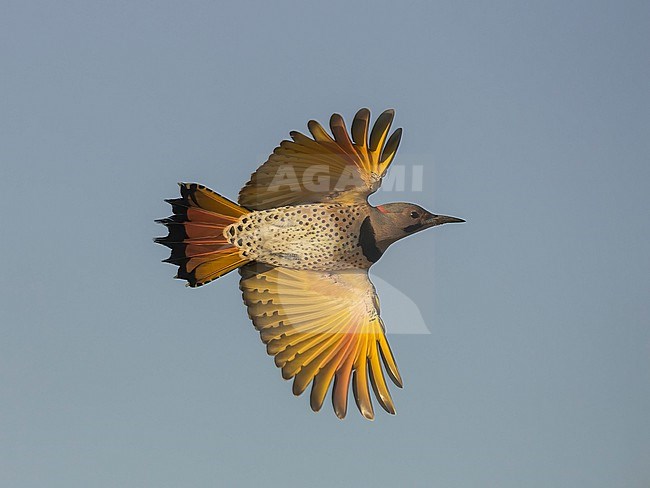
[(303, 237)]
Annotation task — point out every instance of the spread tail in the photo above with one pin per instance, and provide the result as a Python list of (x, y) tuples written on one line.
[(198, 245)]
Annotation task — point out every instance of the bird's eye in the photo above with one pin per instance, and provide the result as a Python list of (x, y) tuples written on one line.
[(414, 215)]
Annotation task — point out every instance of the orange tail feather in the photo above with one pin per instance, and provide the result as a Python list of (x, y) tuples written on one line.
[(198, 246)]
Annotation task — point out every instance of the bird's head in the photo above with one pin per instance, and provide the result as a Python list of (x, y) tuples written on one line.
[(394, 221)]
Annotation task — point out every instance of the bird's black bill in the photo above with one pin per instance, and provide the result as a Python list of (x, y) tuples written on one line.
[(442, 219)]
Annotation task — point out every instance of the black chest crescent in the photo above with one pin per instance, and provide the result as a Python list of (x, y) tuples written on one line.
[(368, 242)]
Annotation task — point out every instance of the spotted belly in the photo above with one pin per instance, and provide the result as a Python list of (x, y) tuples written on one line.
[(315, 237)]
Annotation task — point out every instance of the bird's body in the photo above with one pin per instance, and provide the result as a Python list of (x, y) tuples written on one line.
[(303, 237), (318, 236)]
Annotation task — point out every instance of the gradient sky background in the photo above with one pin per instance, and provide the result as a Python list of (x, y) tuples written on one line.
[(531, 122)]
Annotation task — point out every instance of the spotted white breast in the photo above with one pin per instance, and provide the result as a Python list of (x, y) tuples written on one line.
[(320, 236)]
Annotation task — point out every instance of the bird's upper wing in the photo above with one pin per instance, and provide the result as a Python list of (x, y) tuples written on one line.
[(325, 168), (322, 326)]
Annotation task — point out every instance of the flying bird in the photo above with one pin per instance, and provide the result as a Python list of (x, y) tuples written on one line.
[(303, 237)]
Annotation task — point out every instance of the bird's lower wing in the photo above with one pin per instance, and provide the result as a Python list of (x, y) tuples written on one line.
[(322, 327)]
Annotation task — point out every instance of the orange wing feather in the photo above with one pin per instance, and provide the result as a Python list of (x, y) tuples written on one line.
[(324, 167), (322, 327)]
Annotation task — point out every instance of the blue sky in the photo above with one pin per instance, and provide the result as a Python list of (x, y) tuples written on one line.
[(530, 121)]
